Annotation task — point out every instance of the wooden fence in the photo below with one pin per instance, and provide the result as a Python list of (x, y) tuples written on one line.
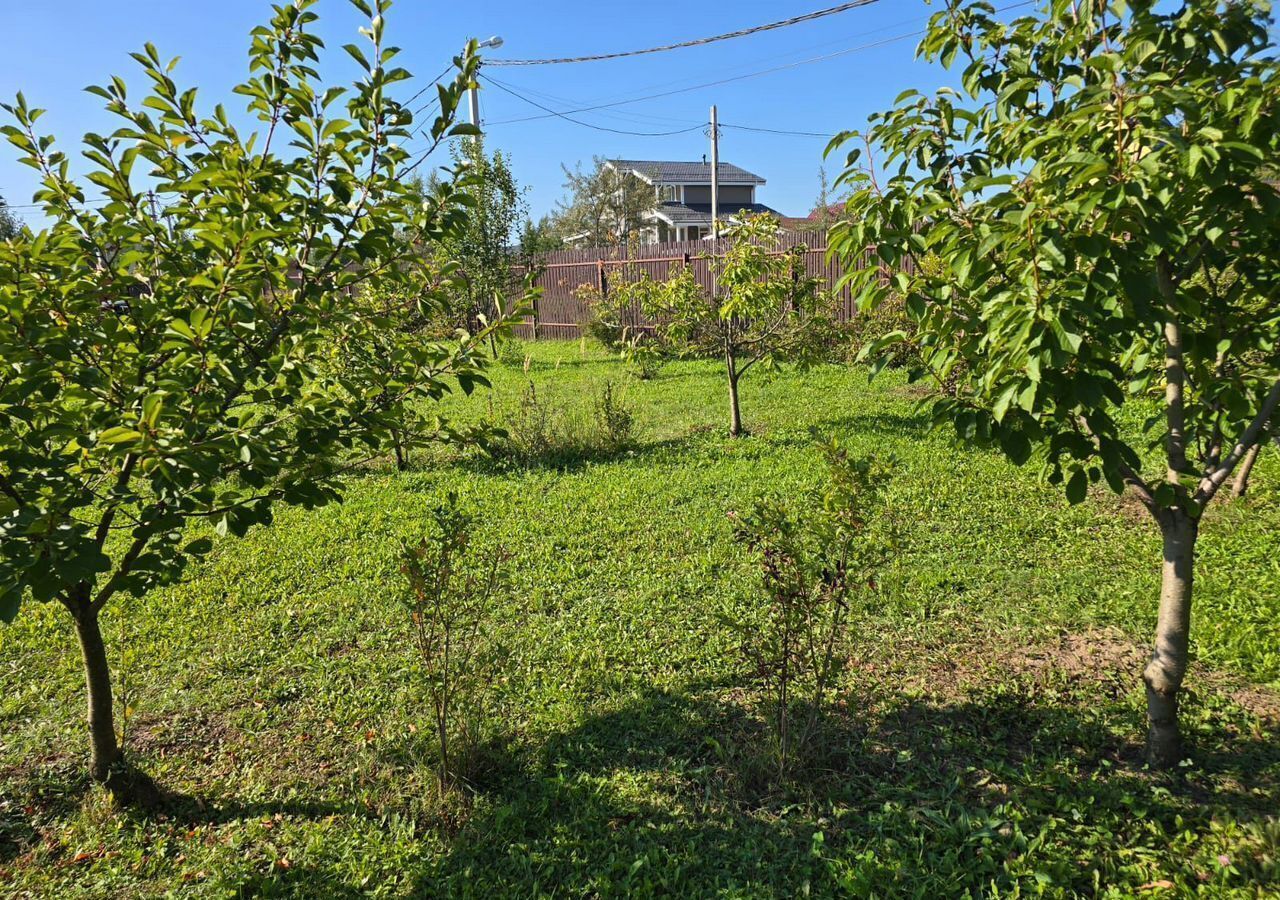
[(562, 274)]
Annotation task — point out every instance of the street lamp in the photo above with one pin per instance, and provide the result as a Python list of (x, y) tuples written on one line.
[(495, 42)]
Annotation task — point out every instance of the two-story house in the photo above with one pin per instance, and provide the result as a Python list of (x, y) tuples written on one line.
[(682, 196)]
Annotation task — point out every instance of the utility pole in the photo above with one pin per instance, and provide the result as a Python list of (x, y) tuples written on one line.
[(715, 175), (715, 201), (473, 96)]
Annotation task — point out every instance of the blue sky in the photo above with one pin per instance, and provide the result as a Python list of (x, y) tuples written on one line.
[(56, 47)]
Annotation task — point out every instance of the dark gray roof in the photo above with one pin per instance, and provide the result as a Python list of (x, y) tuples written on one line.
[(700, 213), (663, 172)]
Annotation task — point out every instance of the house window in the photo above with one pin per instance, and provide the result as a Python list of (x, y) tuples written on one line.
[(668, 193), (693, 233)]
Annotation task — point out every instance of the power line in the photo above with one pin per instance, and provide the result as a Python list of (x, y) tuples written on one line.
[(742, 77), (742, 32), (718, 82), (632, 117), (90, 203), (568, 118), (843, 40), (427, 87), (819, 134)]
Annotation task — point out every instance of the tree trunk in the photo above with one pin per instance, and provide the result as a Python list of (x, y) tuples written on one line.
[(735, 412), (97, 676), (402, 453), (1164, 673), (1240, 486)]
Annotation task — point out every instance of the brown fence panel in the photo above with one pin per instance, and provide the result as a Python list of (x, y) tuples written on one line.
[(562, 274)]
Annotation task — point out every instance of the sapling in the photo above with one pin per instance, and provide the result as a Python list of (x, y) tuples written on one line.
[(818, 554), (451, 592)]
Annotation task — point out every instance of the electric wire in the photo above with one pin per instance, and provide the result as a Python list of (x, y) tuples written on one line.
[(708, 84), (809, 49), (428, 86), (632, 116), (569, 118), (567, 115), (698, 42), (783, 131), (741, 77)]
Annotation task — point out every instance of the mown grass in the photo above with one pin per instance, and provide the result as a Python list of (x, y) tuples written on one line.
[(986, 739)]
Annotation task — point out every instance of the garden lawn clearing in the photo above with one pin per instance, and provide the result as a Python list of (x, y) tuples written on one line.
[(985, 736)]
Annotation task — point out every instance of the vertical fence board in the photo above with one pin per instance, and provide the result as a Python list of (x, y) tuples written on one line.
[(561, 274)]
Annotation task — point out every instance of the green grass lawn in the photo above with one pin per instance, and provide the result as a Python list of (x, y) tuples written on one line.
[(986, 738)]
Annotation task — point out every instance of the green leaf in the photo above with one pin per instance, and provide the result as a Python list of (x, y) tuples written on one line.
[(10, 603), (358, 55), (119, 435), (1001, 406), (198, 547), (1016, 446), (1077, 487), (1066, 339)]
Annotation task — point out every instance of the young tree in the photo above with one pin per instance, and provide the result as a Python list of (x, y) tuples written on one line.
[(167, 354), (763, 313), (604, 206), (827, 206), (1059, 231), (9, 226), (819, 555), (482, 247), (538, 237)]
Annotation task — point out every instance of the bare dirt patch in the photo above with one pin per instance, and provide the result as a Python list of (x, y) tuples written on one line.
[(916, 390), (1127, 506), (1096, 655), (198, 735), (952, 664)]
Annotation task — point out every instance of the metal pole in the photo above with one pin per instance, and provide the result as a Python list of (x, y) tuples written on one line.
[(472, 96), (715, 175)]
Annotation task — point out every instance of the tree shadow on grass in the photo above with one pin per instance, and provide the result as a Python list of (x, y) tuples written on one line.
[(29, 798), (298, 881), (671, 794), (207, 809), (882, 424), (571, 459)]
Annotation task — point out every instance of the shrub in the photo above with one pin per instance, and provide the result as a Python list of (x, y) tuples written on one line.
[(529, 429), (817, 555), (542, 430), (450, 597), (513, 353), (867, 328), (644, 355), (613, 420), (600, 319)]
